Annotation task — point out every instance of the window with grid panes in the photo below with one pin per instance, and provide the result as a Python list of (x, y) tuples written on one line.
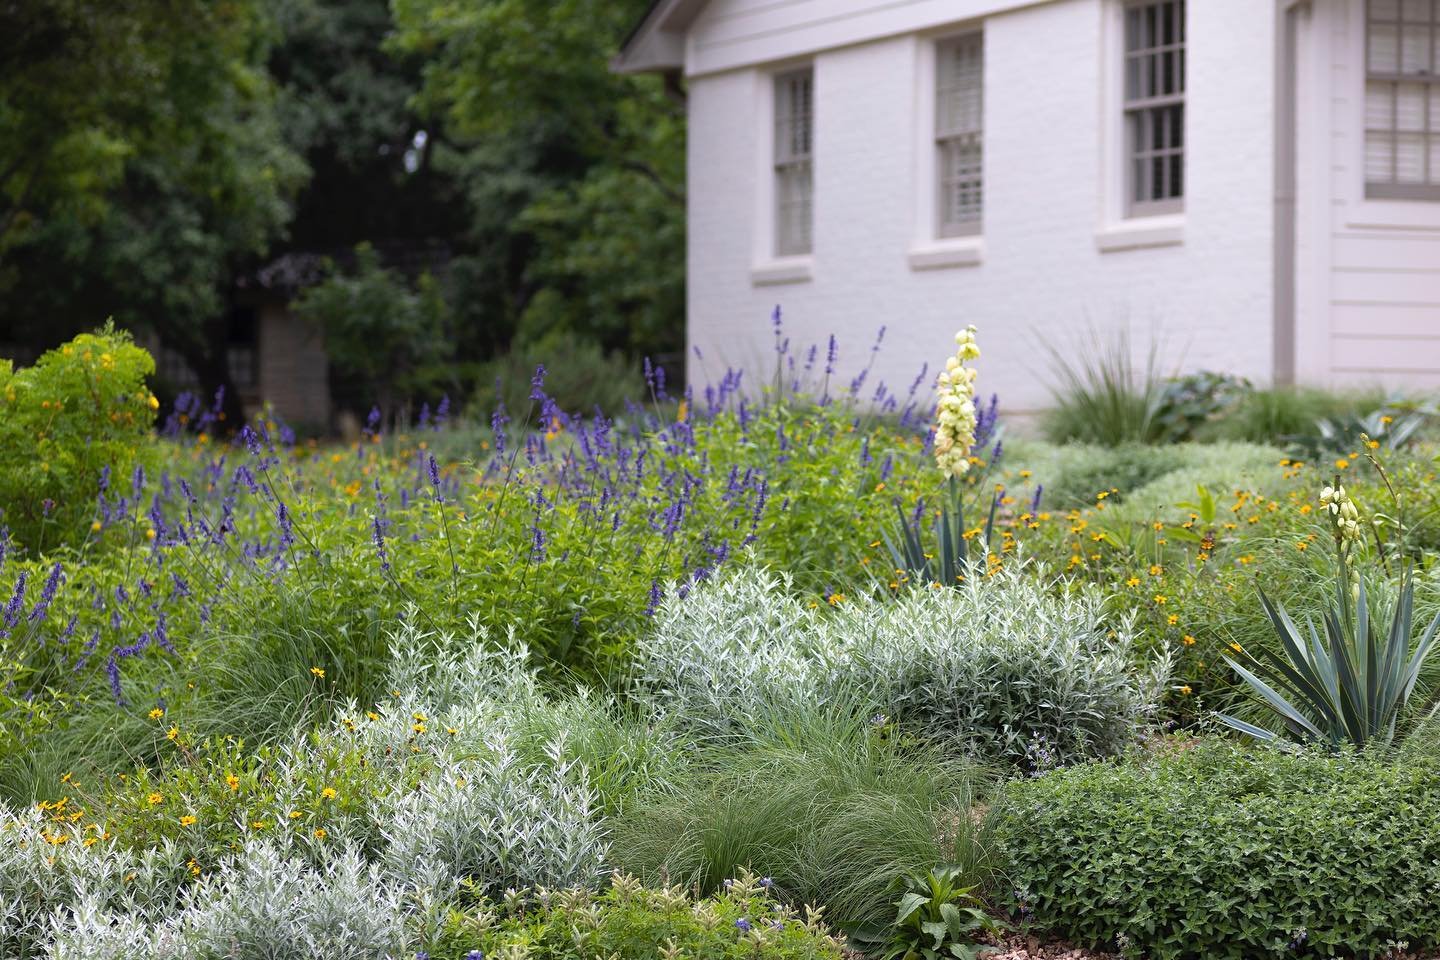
[(1402, 99), (1155, 106), (794, 161), (959, 130)]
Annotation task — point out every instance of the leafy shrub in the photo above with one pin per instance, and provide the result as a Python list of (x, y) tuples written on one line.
[(465, 783), (1271, 415), (1116, 471), (232, 569), (1225, 852), (1004, 666), (936, 916), (630, 922), (81, 414), (262, 906), (589, 378), (830, 808), (1191, 401)]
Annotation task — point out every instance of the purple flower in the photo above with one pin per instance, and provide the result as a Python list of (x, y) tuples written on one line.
[(378, 535), (432, 470), (1035, 501), (287, 528), (47, 594), (537, 383), (743, 925), (17, 600)]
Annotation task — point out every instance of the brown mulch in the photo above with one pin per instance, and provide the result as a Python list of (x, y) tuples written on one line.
[(1021, 947)]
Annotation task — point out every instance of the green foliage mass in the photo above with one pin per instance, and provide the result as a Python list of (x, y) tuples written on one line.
[(631, 922), (1218, 851), (829, 807), (81, 409)]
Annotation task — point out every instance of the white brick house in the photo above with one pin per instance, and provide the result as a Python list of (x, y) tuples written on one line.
[(1252, 184)]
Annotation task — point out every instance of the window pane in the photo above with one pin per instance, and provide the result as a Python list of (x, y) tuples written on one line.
[(1384, 46), (959, 100), (959, 121), (1409, 158), (1416, 11), (1379, 106), (1384, 9), (1410, 106), (1415, 51), (960, 181), (1379, 157), (1155, 71), (795, 190), (794, 145)]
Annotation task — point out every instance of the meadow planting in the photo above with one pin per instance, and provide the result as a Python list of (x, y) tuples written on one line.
[(791, 665)]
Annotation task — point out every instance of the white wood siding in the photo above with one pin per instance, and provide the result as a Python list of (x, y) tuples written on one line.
[(738, 33), (1368, 271)]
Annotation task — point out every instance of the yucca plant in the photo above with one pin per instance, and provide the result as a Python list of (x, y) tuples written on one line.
[(1354, 685), (941, 554)]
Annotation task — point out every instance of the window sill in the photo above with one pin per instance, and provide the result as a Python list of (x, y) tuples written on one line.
[(1139, 233), (785, 270), (946, 254)]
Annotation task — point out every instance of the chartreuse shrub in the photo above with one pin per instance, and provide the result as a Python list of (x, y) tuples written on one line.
[(1223, 851), (80, 413), (631, 922), (1009, 666)]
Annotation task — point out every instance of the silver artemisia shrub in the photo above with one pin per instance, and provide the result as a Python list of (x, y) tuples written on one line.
[(499, 797), (263, 906), (1013, 666)]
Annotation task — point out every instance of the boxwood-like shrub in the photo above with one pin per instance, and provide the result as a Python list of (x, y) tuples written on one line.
[(1225, 851)]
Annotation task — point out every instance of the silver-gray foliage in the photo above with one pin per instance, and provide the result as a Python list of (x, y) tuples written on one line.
[(1008, 666)]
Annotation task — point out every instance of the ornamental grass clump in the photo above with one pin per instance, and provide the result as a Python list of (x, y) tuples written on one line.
[(1355, 685)]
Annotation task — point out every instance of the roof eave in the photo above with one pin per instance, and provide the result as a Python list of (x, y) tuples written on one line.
[(657, 44)]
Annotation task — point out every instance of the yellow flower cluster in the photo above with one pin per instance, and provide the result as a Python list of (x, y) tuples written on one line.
[(955, 418)]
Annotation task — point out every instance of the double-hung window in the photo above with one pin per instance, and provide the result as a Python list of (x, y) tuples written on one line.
[(1402, 100), (794, 162), (959, 129), (1155, 106)]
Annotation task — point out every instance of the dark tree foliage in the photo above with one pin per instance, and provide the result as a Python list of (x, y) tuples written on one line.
[(158, 158)]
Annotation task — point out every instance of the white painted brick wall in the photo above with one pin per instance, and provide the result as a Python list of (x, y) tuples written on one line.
[(1042, 280)]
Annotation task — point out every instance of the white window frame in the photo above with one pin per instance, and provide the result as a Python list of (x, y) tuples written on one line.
[(931, 248), (1120, 225), (1388, 84), (769, 265), (1149, 109), (794, 161), (958, 138)]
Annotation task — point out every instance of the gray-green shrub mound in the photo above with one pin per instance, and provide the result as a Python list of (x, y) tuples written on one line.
[(1226, 852), (1008, 666)]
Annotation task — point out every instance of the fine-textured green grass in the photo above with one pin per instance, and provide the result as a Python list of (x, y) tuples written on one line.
[(826, 806)]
